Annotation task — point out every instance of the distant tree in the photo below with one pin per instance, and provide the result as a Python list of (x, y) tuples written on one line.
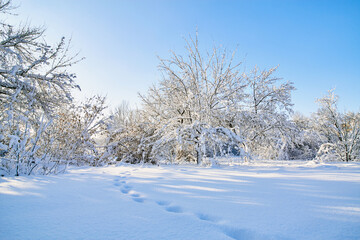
[(340, 131)]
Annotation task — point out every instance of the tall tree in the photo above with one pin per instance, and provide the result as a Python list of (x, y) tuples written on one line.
[(194, 101)]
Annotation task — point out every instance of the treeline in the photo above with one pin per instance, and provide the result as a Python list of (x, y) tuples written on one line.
[(205, 106)]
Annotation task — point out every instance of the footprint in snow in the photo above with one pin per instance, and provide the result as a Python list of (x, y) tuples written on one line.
[(125, 190), (118, 181), (240, 234), (174, 209), (162, 203), (138, 199), (206, 217)]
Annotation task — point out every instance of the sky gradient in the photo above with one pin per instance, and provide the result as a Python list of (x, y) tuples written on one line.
[(315, 43)]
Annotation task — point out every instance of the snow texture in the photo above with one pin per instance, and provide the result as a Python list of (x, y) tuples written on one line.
[(258, 200)]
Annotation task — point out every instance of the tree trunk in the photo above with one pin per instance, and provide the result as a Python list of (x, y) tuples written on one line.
[(198, 154)]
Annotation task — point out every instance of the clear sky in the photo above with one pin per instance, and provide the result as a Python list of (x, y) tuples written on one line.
[(315, 43)]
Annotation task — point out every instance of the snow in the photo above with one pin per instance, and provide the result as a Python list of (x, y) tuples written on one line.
[(257, 200)]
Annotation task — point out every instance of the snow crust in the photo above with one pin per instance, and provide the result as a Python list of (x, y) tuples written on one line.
[(257, 200)]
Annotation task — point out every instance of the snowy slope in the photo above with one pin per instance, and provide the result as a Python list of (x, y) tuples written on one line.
[(263, 200)]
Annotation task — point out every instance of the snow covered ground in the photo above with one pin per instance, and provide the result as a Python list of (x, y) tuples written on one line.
[(263, 200)]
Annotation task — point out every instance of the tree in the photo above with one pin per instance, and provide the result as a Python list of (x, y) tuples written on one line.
[(33, 75), (265, 119), (34, 85), (340, 131), (194, 103)]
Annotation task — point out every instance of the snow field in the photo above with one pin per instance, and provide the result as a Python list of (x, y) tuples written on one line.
[(262, 200)]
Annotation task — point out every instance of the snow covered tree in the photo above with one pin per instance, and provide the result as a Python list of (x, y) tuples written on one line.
[(265, 121), (194, 103), (340, 131), (33, 75), (34, 83)]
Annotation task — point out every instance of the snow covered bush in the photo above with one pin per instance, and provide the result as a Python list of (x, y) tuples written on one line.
[(20, 141), (71, 138), (48, 146), (129, 136), (306, 140), (327, 152)]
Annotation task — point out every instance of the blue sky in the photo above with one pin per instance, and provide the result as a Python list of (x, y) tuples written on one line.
[(315, 43)]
